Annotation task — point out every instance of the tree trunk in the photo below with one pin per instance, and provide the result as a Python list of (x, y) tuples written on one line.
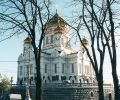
[(100, 88), (38, 79), (116, 86), (113, 58), (38, 83)]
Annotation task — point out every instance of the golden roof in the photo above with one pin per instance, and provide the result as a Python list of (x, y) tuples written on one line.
[(27, 40), (84, 41), (56, 19)]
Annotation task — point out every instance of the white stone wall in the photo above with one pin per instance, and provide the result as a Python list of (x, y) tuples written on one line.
[(81, 66)]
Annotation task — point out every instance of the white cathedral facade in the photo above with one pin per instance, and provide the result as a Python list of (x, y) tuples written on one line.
[(59, 61)]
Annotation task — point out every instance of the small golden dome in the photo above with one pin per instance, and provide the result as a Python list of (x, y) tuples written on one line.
[(27, 40), (85, 41)]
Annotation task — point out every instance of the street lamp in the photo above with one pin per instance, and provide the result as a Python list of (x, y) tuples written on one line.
[(11, 81), (27, 90)]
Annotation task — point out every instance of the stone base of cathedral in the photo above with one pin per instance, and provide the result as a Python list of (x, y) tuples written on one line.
[(67, 91)]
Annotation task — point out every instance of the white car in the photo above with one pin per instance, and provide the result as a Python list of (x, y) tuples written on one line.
[(15, 96)]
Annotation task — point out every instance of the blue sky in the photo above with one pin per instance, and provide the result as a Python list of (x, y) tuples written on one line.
[(11, 48), (9, 52)]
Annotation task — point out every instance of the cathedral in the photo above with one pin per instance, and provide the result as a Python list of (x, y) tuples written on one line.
[(66, 74), (60, 63)]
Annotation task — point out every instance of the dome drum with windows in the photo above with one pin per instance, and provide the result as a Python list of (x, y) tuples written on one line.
[(59, 30)]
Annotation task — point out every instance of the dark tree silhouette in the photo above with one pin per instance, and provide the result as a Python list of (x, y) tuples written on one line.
[(27, 16), (112, 50), (97, 17)]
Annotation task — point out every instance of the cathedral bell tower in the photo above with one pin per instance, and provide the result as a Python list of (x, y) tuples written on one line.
[(85, 43), (27, 44)]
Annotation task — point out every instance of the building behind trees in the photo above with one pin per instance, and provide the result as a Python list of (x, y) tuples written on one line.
[(60, 65)]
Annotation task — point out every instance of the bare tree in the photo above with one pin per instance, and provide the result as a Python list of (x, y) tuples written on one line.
[(27, 16), (112, 50), (98, 19), (95, 36), (88, 16)]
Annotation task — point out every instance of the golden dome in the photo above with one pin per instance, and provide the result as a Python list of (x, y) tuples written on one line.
[(27, 40), (55, 20), (85, 41)]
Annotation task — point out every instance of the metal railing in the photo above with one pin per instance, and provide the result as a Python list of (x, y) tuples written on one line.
[(63, 85)]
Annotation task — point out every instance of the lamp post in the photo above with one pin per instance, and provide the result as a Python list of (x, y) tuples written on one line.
[(27, 90), (28, 79), (11, 81)]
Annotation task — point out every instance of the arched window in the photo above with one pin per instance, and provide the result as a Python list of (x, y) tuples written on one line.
[(55, 68), (110, 96), (45, 81), (91, 94), (21, 68), (72, 68), (45, 68), (87, 81), (31, 69), (63, 68), (80, 81), (51, 38), (72, 81)]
